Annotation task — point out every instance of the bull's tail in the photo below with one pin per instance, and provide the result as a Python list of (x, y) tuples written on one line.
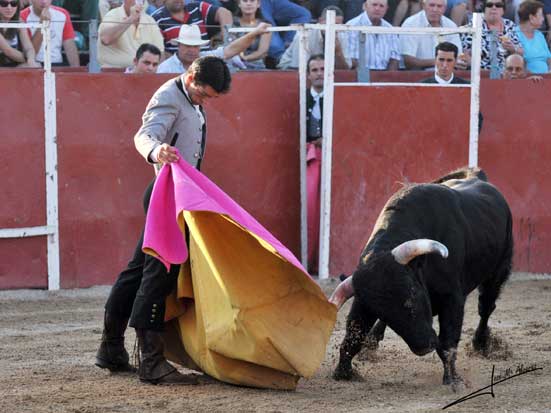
[(463, 173), (342, 293)]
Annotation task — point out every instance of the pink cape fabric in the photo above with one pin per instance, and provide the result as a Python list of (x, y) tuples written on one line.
[(313, 171), (180, 187)]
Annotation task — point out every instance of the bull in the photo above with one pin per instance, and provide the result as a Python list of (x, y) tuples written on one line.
[(431, 246)]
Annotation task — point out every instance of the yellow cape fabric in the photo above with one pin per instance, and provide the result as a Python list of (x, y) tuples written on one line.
[(244, 314)]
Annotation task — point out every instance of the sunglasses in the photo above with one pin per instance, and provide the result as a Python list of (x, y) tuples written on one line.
[(13, 3), (497, 5)]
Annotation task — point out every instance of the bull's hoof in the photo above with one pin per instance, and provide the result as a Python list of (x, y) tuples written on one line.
[(481, 342), (371, 343), (346, 375), (456, 383)]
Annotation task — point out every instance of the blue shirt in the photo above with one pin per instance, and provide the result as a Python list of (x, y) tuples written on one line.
[(536, 51)]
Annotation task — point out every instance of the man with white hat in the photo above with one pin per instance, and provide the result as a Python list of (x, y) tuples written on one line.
[(189, 48)]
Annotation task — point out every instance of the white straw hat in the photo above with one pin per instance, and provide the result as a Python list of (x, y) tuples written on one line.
[(190, 35)]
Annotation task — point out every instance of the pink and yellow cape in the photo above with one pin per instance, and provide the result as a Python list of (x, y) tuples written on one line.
[(245, 311)]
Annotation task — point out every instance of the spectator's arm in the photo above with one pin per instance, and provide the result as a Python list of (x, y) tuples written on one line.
[(28, 48), (71, 52), (240, 44), (262, 50), (10, 52), (415, 63), (37, 36), (393, 64), (223, 17), (110, 32), (340, 60), (400, 13)]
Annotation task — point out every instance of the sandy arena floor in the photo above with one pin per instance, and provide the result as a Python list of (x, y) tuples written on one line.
[(48, 341)]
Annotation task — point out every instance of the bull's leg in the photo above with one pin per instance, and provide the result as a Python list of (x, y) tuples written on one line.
[(358, 323), (376, 335), (488, 294), (450, 320)]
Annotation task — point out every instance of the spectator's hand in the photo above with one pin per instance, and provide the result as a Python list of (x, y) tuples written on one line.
[(262, 28), (167, 154), (535, 79), (45, 15), (135, 12), (463, 61), (30, 63), (507, 44)]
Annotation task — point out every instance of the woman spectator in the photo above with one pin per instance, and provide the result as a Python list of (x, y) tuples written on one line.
[(16, 48), (248, 14), (493, 22), (536, 51)]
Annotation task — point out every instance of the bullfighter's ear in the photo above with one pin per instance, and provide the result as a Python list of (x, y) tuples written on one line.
[(408, 250)]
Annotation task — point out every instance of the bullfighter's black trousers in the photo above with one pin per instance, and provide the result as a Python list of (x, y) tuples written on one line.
[(141, 289)]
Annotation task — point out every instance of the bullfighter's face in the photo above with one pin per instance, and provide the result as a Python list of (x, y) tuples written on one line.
[(396, 295)]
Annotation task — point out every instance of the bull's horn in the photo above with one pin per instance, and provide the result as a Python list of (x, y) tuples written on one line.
[(408, 250)]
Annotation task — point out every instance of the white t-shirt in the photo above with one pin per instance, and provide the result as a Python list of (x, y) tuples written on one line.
[(61, 29), (422, 46), (174, 65)]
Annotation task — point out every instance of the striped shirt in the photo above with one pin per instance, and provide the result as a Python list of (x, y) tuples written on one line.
[(379, 48), (200, 13)]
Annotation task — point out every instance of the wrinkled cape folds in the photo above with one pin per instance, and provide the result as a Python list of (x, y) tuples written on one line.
[(245, 311)]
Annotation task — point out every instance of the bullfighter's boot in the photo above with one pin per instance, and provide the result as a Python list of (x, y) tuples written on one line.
[(153, 367), (111, 353)]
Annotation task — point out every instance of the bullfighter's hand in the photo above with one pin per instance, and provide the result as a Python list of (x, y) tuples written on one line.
[(167, 154)]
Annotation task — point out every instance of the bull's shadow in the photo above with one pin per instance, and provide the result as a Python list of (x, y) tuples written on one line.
[(431, 246)]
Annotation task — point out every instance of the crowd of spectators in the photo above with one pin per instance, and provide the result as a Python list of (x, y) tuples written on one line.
[(510, 27)]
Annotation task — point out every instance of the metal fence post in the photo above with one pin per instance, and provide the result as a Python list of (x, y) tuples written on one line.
[(93, 65)]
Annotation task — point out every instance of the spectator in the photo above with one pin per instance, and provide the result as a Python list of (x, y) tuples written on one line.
[(248, 14), (418, 50), (16, 48), (382, 51), (405, 9), (189, 48), (123, 31), (493, 21), (446, 54), (154, 5), (445, 58), (536, 50), (61, 29), (83, 11), (547, 12), (146, 61), (314, 116), (350, 8), (457, 11), (175, 13), (515, 68), (316, 45), (282, 13), (106, 5)]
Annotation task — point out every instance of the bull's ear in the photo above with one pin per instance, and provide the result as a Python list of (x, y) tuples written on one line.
[(408, 250)]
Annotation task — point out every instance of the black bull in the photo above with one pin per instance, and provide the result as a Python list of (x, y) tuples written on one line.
[(431, 246)]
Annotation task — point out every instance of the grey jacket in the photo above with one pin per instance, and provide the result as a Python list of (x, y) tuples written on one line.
[(170, 112)]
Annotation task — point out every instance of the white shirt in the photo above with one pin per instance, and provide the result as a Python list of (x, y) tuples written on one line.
[(175, 65), (441, 81), (59, 32), (316, 109), (314, 45), (422, 46), (379, 48)]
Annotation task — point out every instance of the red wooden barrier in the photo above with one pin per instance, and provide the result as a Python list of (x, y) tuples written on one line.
[(382, 137)]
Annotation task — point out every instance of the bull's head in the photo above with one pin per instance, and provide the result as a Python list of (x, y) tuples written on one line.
[(392, 287)]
